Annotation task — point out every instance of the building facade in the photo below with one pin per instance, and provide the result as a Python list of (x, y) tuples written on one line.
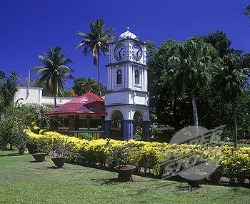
[(27, 95), (127, 87)]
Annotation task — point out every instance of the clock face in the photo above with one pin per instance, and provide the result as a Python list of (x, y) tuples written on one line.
[(119, 52), (137, 52)]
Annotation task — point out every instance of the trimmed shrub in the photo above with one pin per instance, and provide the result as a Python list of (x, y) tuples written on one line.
[(234, 163)]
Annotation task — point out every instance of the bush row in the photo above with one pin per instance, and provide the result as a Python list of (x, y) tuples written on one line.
[(233, 163)]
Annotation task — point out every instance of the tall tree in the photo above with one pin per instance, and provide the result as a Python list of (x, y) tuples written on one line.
[(54, 71), (167, 105), (219, 41), (82, 85), (96, 41), (244, 116), (230, 80), (192, 65), (8, 87)]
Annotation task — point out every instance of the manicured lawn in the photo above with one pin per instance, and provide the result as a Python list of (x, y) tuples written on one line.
[(25, 181)]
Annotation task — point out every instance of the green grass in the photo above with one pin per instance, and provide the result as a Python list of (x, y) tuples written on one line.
[(25, 181)]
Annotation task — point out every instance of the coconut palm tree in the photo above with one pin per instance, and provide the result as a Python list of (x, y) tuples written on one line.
[(96, 41), (54, 71), (8, 87), (192, 66), (230, 80)]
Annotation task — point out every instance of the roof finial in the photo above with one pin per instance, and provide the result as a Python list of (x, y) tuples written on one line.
[(127, 28)]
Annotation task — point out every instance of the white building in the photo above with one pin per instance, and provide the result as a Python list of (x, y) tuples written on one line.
[(127, 88), (26, 95)]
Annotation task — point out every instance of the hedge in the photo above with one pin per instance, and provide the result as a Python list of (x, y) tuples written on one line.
[(234, 163)]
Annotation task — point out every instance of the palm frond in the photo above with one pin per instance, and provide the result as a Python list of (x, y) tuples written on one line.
[(54, 71)]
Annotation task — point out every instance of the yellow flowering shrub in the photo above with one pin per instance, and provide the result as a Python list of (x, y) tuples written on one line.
[(234, 163), (237, 165)]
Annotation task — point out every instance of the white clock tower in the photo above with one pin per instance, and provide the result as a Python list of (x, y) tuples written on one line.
[(127, 85)]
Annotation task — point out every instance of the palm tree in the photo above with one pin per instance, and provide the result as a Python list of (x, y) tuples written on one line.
[(191, 69), (8, 87), (230, 80), (54, 71), (96, 41)]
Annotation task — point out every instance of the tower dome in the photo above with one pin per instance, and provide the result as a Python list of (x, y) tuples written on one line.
[(128, 35)]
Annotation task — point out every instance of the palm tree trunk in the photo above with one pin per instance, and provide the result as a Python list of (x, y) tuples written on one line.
[(98, 76), (54, 93), (195, 112), (235, 124)]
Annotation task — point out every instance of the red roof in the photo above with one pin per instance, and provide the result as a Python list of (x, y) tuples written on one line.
[(86, 104)]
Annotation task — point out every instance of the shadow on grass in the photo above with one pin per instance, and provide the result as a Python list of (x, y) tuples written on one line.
[(55, 167), (113, 181), (34, 161), (11, 153), (223, 182), (147, 174), (110, 181)]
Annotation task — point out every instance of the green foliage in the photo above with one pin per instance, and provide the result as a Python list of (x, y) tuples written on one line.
[(86, 136), (219, 41), (166, 104), (82, 85), (181, 71), (191, 69), (8, 88), (244, 116), (11, 127), (118, 155), (54, 72), (232, 76), (96, 41), (17, 117), (162, 135)]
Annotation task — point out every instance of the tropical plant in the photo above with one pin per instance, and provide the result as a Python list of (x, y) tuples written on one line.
[(82, 85), (191, 69), (230, 80), (17, 118), (219, 41), (8, 87), (244, 116), (54, 71), (96, 41), (85, 136)]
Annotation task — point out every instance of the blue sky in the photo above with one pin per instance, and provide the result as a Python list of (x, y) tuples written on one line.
[(29, 27)]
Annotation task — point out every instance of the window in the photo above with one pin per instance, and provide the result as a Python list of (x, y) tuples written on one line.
[(119, 77), (137, 77)]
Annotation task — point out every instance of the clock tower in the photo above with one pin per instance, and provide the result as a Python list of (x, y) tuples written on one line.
[(127, 87)]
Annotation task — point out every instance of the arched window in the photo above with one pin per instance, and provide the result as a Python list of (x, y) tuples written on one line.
[(119, 77), (137, 77)]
